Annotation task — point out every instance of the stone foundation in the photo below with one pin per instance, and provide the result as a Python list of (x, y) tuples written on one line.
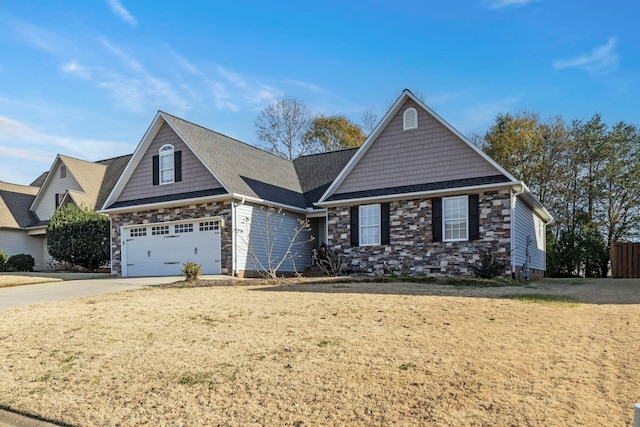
[(193, 211), (412, 250)]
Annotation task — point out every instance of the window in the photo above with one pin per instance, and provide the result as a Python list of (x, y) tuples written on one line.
[(369, 225), (209, 226), (166, 164), (455, 218), (159, 230), (63, 171), (410, 119), (138, 232), (183, 228)]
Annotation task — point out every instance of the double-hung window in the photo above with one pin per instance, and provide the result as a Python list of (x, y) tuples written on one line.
[(166, 164), (455, 218), (369, 225)]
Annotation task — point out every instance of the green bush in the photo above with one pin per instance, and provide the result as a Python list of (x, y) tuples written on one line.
[(191, 271), (79, 236), (21, 262), (3, 261)]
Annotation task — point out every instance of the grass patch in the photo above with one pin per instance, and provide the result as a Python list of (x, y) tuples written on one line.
[(545, 299)]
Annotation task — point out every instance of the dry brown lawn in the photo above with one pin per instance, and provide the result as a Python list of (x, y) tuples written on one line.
[(330, 354), (32, 278)]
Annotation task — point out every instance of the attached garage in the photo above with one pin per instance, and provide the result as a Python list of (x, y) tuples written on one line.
[(161, 249)]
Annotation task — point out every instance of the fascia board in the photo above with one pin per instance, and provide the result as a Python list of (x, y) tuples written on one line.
[(160, 205), (142, 147), (535, 204), (417, 194), (268, 203), (365, 146), (45, 184), (406, 94), (463, 138)]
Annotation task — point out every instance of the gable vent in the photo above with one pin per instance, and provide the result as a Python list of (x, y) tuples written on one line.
[(410, 119)]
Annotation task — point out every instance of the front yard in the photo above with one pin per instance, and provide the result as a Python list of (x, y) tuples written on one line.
[(330, 354)]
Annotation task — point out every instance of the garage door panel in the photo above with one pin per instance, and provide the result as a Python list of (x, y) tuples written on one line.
[(161, 250)]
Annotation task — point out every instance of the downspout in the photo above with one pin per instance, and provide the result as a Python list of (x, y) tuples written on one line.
[(234, 240), (514, 196)]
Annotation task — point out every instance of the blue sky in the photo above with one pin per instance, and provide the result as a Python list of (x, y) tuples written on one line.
[(85, 78)]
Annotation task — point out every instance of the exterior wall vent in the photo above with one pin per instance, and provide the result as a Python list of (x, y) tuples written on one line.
[(410, 119)]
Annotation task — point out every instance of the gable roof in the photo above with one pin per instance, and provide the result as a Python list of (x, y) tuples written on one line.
[(501, 176), (14, 204), (242, 169), (96, 179), (317, 171)]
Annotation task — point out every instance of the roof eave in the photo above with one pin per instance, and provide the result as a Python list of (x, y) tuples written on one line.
[(414, 195)]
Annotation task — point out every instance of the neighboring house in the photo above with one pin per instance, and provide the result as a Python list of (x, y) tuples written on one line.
[(15, 217), (69, 180), (416, 195)]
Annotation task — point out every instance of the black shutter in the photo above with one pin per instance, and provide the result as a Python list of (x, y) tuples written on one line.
[(57, 200), (384, 224), (436, 218), (156, 170), (474, 217), (177, 166), (355, 226)]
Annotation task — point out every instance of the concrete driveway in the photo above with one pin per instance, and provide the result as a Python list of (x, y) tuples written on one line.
[(20, 296)]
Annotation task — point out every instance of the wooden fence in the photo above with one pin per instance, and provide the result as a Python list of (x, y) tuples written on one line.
[(625, 260)]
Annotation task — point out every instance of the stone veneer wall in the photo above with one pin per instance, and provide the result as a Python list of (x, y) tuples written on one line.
[(193, 211), (411, 247)]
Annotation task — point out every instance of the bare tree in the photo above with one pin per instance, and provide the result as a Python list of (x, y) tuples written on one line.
[(369, 121), (281, 127)]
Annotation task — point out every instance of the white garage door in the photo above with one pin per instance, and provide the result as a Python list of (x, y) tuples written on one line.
[(161, 249)]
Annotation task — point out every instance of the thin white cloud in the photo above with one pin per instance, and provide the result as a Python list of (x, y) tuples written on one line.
[(600, 60), (75, 69), (41, 39), (129, 61), (117, 8), (305, 85), (138, 90), (26, 154), (221, 97), (501, 4), (13, 132), (231, 77)]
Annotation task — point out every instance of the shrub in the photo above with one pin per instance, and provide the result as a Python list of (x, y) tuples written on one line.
[(3, 261), (329, 261), (191, 271), (21, 262), (79, 236), (488, 265)]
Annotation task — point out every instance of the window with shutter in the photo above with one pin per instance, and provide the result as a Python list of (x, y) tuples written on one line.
[(455, 218), (410, 119)]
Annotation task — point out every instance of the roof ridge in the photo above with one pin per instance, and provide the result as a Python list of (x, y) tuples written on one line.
[(113, 158), (326, 152)]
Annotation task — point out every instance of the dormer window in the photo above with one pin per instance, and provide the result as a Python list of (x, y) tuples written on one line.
[(63, 171), (167, 164), (410, 119)]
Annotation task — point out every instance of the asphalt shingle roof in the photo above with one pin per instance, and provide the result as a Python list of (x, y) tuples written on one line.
[(15, 201)]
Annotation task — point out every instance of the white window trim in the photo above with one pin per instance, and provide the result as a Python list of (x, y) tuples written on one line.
[(379, 225), (166, 151), (444, 221), (405, 125)]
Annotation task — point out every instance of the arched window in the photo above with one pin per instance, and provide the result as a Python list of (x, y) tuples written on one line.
[(410, 119), (167, 172)]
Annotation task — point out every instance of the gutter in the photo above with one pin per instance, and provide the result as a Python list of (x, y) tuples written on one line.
[(234, 240), (418, 194)]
